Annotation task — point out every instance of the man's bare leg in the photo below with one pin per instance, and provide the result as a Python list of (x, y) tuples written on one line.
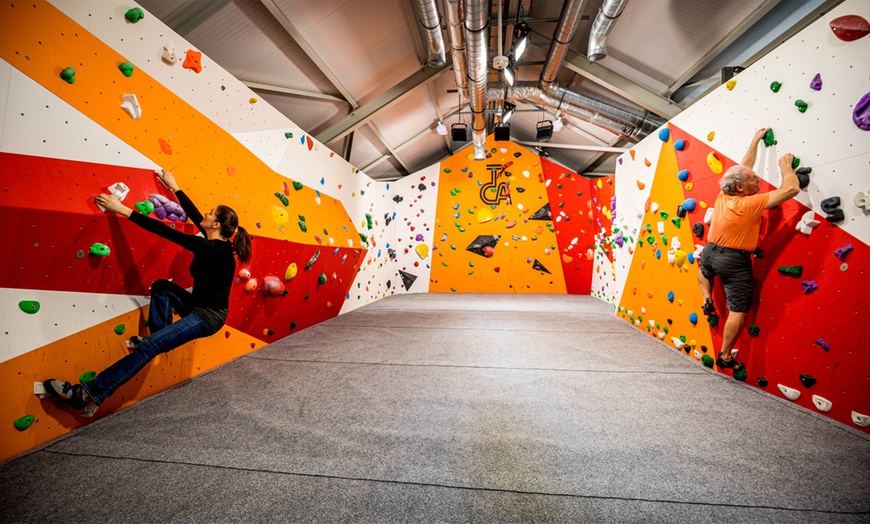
[(733, 326)]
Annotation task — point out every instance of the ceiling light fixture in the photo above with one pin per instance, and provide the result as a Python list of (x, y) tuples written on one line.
[(508, 111), (441, 129), (544, 130), (521, 39), (510, 74), (557, 124), (502, 132), (459, 132)]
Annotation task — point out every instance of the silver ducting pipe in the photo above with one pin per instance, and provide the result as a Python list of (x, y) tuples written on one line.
[(562, 37), (618, 119), (476, 38), (431, 21), (607, 15), (456, 37)]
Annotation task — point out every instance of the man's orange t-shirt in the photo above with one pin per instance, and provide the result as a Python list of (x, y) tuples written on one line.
[(737, 220)]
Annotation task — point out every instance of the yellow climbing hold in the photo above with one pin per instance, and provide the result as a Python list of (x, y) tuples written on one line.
[(599, 184), (730, 84), (714, 163), (680, 257), (689, 186), (710, 136), (291, 271), (484, 215), (280, 215), (703, 205), (422, 251)]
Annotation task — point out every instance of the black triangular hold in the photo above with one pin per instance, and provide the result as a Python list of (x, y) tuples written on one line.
[(807, 380), (407, 279), (543, 213), (537, 266), (389, 284), (481, 242)]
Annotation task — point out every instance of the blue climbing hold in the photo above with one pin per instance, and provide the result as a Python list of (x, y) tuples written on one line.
[(659, 253), (664, 134), (683, 175), (680, 144), (693, 318), (691, 257), (670, 296), (689, 204)]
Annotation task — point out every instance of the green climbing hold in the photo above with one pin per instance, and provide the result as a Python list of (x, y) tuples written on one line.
[(145, 207), (282, 198), (676, 221), (321, 279), (312, 260), (364, 239), (101, 250), (270, 332), (307, 296), (650, 240), (769, 140), (297, 186), (795, 162), (754, 330), (303, 227), (648, 228), (774, 86), (740, 374), (759, 254), (369, 220), (447, 170), (713, 320), (293, 325), (288, 135), (69, 75), (664, 240), (801, 105), (795, 271), (120, 328), (29, 306), (23, 423), (134, 15), (707, 360), (87, 376), (127, 68), (683, 339), (664, 215)]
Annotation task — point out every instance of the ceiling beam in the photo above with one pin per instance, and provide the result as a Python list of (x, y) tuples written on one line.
[(390, 148), (615, 82), (193, 16), (294, 92), (723, 44), (308, 49), (390, 97)]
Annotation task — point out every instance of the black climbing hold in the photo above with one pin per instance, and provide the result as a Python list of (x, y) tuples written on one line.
[(422, 186), (681, 211), (389, 284), (762, 382), (670, 322), (703, 349), (517, 154), (803, 180), (407, 279), (542, 214), (479, 245), (759, 254), (397, 199), (521, 190), (829, 205), (836, 216), (698, 230), (537, 266), (808, 380)]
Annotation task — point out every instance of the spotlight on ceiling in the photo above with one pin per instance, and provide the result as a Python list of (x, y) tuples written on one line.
[(441, 129), (508, 111), (459, 132), (545, 130), (557, 124), (521, 39), (510, 75), (502, 132)]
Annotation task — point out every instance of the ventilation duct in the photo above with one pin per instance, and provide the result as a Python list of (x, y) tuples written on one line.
[(431, 22), (456, 37), (607, 15), (476, 36), (562, 37)]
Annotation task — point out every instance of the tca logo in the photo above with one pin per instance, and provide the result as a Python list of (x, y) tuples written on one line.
[(495, 192)]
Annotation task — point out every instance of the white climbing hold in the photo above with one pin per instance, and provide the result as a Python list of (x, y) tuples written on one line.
[(654, 207), (675, 243), (671, 257), (791, 394), (822, 404), (677, 342), (169, 56), (708, 216), (807, 223), (697, 355), (862, 421), (131, 107), (862, 200), (661, 227), (662, 335), (698, 249)]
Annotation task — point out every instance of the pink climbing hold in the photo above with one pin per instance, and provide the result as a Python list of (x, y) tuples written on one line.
[(850, 27)]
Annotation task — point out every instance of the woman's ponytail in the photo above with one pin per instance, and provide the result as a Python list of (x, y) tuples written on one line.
[(242, 245)]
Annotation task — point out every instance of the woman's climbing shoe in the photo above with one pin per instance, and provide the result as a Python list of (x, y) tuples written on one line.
[(74, 396)]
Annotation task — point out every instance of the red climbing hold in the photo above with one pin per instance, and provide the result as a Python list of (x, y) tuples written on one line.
[(850, 27)]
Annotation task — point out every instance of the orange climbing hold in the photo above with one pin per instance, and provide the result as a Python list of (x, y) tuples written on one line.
[(231, 171), (646, 162), (640, 185), (631, 152), (309, 142), (164, 146), (193, 61)]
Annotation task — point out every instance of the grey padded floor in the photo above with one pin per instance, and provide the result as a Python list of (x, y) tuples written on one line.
[(453, 408)]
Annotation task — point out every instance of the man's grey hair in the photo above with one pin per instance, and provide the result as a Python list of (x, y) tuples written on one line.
[(732, 177)]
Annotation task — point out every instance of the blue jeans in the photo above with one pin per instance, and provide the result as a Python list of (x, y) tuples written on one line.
[(165, 336)]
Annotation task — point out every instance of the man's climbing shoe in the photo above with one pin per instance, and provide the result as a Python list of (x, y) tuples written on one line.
[(709, 308), (74, 396), (731, 364)]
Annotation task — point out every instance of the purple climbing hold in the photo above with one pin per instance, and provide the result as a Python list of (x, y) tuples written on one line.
[(618, 239), (861, 114), (419, 237), (816, 83), (620, 160), (166, 209), (809, 286), (821, 342), (843, 251), (613, 204)]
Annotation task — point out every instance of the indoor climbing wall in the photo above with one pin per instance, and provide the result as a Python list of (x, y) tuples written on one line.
[(96, 97), (802, 340), (511, 223)]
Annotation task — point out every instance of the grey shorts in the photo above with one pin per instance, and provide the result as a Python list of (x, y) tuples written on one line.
[(734, 267)]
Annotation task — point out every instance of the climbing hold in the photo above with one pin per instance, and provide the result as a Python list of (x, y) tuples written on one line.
[(680, 145), (282, 198), (683, 175), (676, 220), (769, 139), (291, 271), (101, 250), (145, 207), (134, 15), (843, 251), (789, 393), (714, 163), (822, 404), (280, 216), (664, 134), (801, 105), (670, 296), (795, 162), (120, 328), (710, 136), (298, 186), (831, 206), (689, 204), (689, 186), (754, 330), (807, 380), (193, 61), (164, 146), (312, 260), (69, 75), (29, 306), (169, 56), (244, 273), (729, 85), (131, 106), (251, 285), (127, 68), (484, 215), (272, 286), (698, 230), (762, 382), (824, 345), (740, 374), (816, 82), (693, 318), (640, 185), (803, 174), (807, 223), (809, 286), (794, 271), (850, 27), (861, 113), (322, 278), (422, 251), (862, 421), (707, 360), (862, 200), (774, 86), (708, 216), (679, 257), (23, 423)]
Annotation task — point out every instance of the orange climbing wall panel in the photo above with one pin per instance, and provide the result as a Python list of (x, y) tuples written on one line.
[(211, 165), (474, 201)]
